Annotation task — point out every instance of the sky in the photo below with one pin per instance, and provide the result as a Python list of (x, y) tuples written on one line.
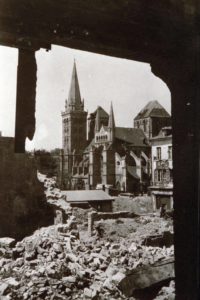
[(130, 85)]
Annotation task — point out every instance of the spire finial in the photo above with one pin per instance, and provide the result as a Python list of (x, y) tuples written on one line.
[(74, 97), (111, 124), (111, 121)]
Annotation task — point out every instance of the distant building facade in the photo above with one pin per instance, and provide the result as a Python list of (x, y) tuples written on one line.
[(162, 166), (98, 153), (111, 155)]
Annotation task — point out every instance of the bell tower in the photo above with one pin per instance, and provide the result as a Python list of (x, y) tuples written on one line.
[(73, 124)]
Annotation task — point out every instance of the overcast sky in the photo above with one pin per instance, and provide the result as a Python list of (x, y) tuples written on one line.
[(102, 79)]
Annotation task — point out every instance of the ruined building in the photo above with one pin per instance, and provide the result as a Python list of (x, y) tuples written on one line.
[(23, 207)]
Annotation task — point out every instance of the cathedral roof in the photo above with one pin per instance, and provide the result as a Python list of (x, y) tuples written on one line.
[(74, 97), (134, 136), (152, 109)]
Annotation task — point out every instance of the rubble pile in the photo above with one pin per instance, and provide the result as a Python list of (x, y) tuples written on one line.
[(54, 264), (60, 262)]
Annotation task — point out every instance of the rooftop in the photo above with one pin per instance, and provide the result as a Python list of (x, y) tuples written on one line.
[(87, 195), (135, 136), (152, 109)]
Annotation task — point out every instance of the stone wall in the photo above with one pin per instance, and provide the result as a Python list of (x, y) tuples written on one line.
[(23, 207), (94, 216)]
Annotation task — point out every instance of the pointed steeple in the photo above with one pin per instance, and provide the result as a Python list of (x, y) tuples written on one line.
[(111, 124), (111, 121), (97, 121), (74, 97)]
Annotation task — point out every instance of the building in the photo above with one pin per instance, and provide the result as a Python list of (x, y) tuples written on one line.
[(112, 156), (74, 123), (152, 118), (96, 199), (162, 166)]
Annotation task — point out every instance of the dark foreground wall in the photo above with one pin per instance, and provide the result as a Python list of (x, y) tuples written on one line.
[(23, 207)]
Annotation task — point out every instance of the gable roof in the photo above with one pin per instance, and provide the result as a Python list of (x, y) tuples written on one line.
[(152, 109), (134, 136)]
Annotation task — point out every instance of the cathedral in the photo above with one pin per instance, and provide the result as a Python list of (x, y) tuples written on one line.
[(97, 153)]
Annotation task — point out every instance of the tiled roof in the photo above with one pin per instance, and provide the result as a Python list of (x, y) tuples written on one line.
[(134, 136), (86, 196), (152, 109)]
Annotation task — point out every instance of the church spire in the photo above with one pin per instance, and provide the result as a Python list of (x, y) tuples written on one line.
[(111, 121), (111, 124), (74, 97)]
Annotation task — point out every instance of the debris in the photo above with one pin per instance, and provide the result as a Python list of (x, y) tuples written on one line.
[(146, 277), (7, 242), (62, 262)]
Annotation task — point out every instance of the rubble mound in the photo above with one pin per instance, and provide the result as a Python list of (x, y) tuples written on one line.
[(62, 262), (54, 263)]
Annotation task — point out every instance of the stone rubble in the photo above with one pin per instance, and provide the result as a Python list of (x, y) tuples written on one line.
[(54, 263)]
